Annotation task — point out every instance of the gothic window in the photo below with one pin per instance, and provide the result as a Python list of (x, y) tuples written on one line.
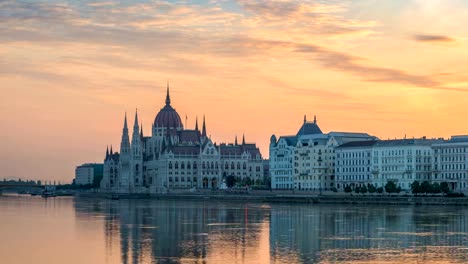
[(188, 165), (182, 165), (238, 165), (170, 165), (216, 164), (212, 165), (176, 166), (244, 166), (195, 165), (232, 165)]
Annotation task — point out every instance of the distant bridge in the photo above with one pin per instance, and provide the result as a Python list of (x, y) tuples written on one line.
[(18, 186)]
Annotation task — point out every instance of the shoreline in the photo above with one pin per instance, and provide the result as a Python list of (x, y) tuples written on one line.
[(291, 198)]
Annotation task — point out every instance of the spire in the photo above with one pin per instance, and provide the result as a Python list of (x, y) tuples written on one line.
[(305, 119), (315, 119), (111, 153), (107, 152), (204, 127), (125, 122), (235, 141), (141, 131), (196, 123), (243, 139), (136, 118), (168, 97)]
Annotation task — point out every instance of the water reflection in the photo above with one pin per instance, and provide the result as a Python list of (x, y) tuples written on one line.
[(151, 231)]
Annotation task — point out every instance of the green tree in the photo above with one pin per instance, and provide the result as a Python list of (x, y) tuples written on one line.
[(357, 189), (435, 188), (390, 187), (416, 187), (348, 189), (426, 187), (363, 189), (380, 190), (230, 181), (371, 188), (444, 187)]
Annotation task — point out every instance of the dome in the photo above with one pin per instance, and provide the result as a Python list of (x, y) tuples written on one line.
[(168, 117)]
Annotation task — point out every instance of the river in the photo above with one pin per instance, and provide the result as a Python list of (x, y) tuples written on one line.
[(78, 230)]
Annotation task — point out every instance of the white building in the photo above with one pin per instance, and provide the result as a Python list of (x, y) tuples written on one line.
[(175, 158), (85, 174), (402, 161), (451, 163), (306, 161)]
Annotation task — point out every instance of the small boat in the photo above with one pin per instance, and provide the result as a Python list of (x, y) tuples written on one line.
[(48, 194)]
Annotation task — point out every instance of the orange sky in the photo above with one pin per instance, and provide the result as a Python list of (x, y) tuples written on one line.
[(70, 69)]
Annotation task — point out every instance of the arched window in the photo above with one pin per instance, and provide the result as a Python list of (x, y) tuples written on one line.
[(194, 165), (244, 166), (188, 165), (170, 165), (182, 165), (232, 165), (176, 166), (238, 165)]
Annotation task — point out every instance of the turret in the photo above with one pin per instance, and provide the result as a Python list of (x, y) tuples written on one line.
[(243, 139), (196, 123), (204, 127), (125, 143)]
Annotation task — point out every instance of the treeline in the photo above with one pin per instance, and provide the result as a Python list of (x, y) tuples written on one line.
[(417, 188), (21, 182)]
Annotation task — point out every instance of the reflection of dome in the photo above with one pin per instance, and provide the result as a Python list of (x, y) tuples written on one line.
[(168, 117)]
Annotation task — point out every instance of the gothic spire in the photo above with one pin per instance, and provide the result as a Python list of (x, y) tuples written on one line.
[(141, 131), (168, 97), (196, 123), (315, 119), (235, 141), (305, 119), (125, 123), (136, 118), (243, 139), (111, 151), (204, 127), (107, 152)]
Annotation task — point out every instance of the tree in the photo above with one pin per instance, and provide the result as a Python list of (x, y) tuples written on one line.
[(371, 188), (435, 188), (230, 181), (348, 189), (415, 187), (357, 189), (391, 187), (363, 189), (426, 187), (444, 187), (380, 190)]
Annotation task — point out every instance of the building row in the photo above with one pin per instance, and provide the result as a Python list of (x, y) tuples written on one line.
[(316, 161)]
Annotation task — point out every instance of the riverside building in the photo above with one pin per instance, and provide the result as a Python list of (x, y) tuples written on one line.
[(377, 162), (306, 161), (450, 163), (174, 157)]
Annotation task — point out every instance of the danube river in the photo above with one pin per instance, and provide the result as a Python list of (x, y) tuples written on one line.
[(73, 230)]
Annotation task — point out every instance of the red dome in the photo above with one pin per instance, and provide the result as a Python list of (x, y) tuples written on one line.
[(168, 117)]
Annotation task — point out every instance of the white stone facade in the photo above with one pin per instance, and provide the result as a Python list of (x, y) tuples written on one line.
[(451, 163)]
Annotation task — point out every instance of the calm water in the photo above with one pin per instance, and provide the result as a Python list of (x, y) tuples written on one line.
[(69, 230)]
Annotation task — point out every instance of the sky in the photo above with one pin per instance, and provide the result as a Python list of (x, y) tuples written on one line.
[(69, 70)]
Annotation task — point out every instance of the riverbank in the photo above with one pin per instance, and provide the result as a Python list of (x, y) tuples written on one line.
[(291, 198)]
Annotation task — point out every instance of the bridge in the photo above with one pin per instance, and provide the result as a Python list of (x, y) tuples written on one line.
[(20, 187)]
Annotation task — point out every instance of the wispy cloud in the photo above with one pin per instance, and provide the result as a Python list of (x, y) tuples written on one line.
[(433, 38)]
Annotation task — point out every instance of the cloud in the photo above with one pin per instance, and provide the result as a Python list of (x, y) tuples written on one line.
[(433, 38)]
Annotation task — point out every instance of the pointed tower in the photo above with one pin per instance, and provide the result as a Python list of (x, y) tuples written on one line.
[(235, 141), (141, 132), (107, 152), (204, 127), (125, 143), (136, 139), (243, 139), (110, 152), (196, 123), (315, 119), (168, 97)]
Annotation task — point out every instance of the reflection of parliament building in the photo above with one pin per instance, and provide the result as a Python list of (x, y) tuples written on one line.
[(174, 157)]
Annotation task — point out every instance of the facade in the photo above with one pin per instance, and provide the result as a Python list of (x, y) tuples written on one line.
[(86, 173), (174, 157), (402, 161), (306, 161), (450, 163)]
